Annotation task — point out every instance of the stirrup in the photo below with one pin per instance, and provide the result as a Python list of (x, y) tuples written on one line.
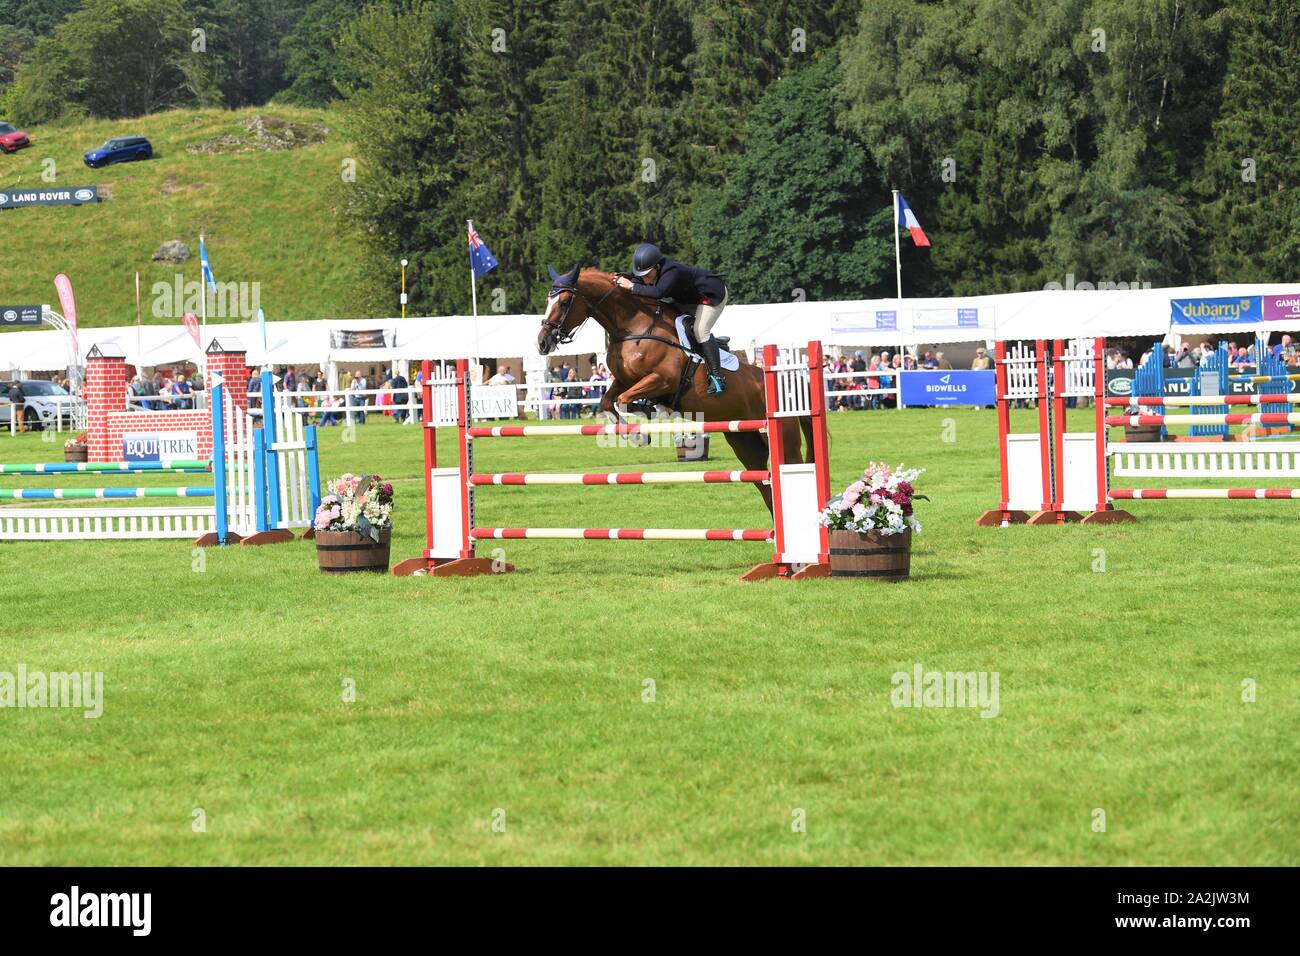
[(716, 384)]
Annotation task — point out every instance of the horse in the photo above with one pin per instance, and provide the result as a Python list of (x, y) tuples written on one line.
[(650, 367)]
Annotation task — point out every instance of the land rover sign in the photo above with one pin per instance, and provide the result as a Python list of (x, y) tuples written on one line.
[(18, 198), (12, 316)]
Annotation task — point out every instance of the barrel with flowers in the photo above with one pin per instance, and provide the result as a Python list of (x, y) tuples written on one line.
[(871, 524), (353, 525)]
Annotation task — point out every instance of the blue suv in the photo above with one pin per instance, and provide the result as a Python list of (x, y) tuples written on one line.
[(122, 149)]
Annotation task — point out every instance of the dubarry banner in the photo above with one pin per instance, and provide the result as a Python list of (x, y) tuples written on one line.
[(1246, 310)]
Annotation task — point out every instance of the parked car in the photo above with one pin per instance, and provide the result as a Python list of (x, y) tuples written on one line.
[(120, 149), (12, 138), (42, 401)]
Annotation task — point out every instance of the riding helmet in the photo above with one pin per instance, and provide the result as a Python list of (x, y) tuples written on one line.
[(646, 257)]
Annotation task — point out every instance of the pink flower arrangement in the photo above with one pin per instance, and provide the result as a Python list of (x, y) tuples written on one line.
[(362, 503), (880, 500)]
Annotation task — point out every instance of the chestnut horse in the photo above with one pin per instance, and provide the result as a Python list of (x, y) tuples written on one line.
[(649, 365)]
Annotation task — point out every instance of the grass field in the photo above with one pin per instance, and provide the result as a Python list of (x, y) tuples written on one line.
[(1121, 654)]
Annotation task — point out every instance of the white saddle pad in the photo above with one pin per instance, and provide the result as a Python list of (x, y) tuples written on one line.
[(729, 362)]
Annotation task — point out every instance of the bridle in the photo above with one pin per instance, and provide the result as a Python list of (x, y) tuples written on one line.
[(552, 326)]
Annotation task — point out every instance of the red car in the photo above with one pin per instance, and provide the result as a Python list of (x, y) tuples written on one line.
[(12, 138)]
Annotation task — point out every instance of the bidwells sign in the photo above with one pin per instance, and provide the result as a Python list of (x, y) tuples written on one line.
[(18, 198), (958, 387), (1246, 310), (160, 446)]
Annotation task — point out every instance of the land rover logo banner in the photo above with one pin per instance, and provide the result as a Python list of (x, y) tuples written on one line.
[(19, 198), (12, 316)]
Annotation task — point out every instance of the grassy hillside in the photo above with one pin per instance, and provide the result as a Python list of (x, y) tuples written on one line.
[(267, 217)]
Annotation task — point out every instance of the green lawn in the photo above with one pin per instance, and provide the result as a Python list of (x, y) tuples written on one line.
[(1120, 689)]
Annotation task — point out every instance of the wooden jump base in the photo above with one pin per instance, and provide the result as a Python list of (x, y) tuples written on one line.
[(1073, 470), (799, 491), (623, 478), (265, 485)]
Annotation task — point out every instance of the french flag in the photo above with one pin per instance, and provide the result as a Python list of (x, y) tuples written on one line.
[(908, 218)]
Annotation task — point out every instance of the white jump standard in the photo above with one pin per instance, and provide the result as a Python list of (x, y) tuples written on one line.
[(1071, 472)]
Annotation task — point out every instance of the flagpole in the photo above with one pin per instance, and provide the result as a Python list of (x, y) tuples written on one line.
[(473, 290), (138, 347), (203, 282), (898, 255), (898, 310)]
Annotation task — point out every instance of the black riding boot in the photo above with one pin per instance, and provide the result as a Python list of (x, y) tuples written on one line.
[(709, 349)]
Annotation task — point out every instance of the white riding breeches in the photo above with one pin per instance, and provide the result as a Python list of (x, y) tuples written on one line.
[(707, 315)]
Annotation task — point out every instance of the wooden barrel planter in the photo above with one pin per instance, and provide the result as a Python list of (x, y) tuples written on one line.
[(1142, 432), (870, 554), (342, 552), (77, 453)]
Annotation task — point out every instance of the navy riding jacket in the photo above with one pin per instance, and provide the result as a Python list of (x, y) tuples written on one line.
[(685, 284)]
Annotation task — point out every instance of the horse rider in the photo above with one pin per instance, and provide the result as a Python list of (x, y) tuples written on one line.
[(701, 293)]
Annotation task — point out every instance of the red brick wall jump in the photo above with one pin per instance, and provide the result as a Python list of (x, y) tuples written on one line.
[(107, 418)]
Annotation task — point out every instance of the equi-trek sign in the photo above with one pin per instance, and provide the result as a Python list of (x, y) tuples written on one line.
[(160, 446), (18, 199)]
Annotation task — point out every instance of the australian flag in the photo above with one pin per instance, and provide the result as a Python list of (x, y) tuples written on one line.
[(481, 260)]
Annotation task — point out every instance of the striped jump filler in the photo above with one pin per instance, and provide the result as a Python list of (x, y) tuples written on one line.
[(630, 428), (116, 467), (1136, 494), (1258, 418), (629, 534), (1189, 400), (67, 494), (622, 478)]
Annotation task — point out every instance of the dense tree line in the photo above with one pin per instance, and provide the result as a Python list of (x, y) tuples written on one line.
[(1115, 140)]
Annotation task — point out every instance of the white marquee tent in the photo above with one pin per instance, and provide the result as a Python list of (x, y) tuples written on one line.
[(915, 322)]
